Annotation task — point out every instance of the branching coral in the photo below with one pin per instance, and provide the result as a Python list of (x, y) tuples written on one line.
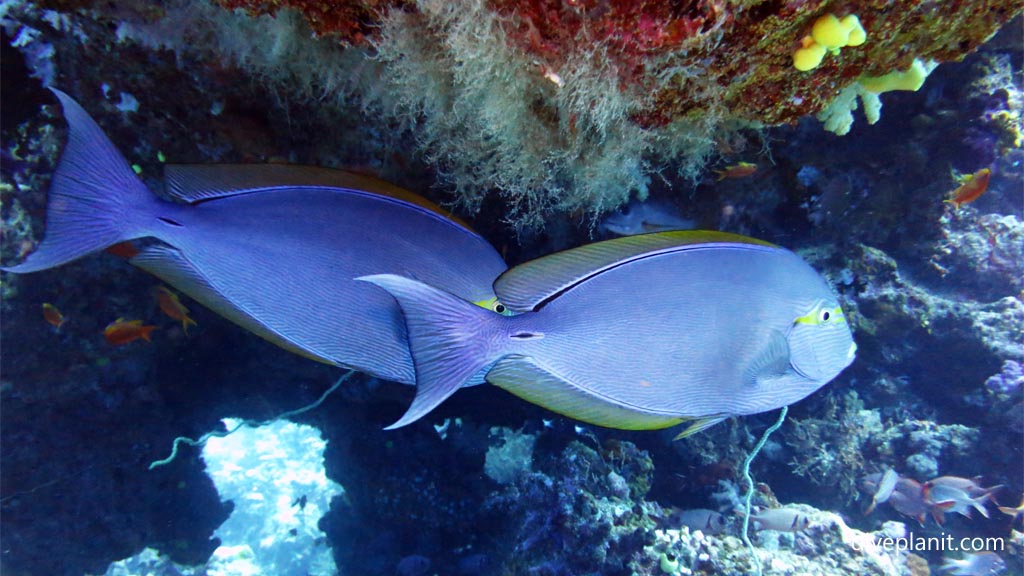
[(832, 450)]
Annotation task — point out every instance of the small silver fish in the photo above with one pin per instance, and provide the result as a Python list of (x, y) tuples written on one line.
[(781, 520), (643, 217), (885, 488), (707, 521), (955, 499), (907, 497), (968, 485), (977, 564)]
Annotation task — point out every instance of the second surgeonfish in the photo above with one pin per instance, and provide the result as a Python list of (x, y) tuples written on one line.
[(641, 332), (273, 248)]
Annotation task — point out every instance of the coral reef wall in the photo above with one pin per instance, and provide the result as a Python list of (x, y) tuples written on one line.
[(575, 106)]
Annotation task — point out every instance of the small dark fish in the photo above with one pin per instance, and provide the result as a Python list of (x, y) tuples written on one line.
[(172, 306), (738, 170), (125, 250), (414, 565), (644, 217), (53, 316), (474, 565)]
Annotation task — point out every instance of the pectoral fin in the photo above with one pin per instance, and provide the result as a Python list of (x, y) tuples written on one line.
[(773, 361)]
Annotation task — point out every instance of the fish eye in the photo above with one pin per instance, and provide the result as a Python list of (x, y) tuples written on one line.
[(499, 307), (825, 315)]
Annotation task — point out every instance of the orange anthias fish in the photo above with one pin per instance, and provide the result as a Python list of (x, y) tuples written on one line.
[(971, 187), (53, 316), (123, 331), (173, 307), (740, 170)]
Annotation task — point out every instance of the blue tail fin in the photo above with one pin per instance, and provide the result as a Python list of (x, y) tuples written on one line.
[(447, 338), (94, 200)]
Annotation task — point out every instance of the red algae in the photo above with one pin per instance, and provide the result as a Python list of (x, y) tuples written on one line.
[(693, 56), (351, 22)]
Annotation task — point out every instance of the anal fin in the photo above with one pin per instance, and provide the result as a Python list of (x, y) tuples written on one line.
[(699, 425), (526, 379), (170, 265)]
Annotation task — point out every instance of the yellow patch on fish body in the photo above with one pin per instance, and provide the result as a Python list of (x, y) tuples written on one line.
[(822, 314), (494, 305)]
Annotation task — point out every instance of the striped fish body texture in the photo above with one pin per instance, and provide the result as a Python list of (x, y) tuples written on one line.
[(720, 330), (288, 257)]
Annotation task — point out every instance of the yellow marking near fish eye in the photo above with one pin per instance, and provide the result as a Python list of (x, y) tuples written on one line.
[(821, 315), (493, 305)]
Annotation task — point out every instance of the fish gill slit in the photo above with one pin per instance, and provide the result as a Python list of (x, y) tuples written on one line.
[(169, 221)]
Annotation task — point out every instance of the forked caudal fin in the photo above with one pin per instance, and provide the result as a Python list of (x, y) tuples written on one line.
[(94, 199), (447, 338)]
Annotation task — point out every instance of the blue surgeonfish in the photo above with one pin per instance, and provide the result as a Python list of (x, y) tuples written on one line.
[(640, 332), (274, 248)]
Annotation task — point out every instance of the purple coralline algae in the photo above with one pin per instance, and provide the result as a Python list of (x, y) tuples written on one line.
[(1008, 381)]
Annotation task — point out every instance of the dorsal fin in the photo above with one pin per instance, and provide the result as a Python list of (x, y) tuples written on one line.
[(526, 286), (198, 182)]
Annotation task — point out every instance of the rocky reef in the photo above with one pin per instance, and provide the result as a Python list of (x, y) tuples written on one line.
[(531, 119), (558, 106)]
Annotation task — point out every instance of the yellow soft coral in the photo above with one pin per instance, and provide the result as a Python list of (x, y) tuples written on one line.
[(838, 115), (809, 56), (834, 33), (828, 33), (910, 79)]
